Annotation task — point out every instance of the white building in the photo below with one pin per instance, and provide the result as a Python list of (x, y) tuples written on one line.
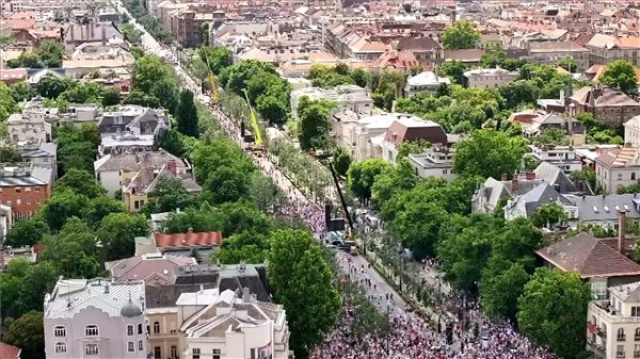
[(362, 135), (632, 131), (436, 162), (563, 157), (614, 323), (29, 127), (426, 81), (99, 318), (225, 325), (347, 98), (617, 167), (413, 129), (489, 78)]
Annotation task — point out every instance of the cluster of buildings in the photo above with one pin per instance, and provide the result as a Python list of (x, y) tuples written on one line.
[(165, 306)]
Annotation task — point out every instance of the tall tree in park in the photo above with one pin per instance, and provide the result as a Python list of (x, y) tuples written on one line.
[(187, 114), (80, 182), (489, 153), (219, 57), (314, 122), (341, 161), (7, 103), (461, 36), (27, 333), (302, 282), (553, 311), (362, 175), (153, 77), (117, 234), (621, 74), (22, 91), (454, 70), (26, 232)]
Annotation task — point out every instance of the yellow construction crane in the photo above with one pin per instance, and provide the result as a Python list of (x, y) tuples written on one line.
[(257, 135), (213, 86)]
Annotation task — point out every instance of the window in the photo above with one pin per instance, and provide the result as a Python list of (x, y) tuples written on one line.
[(129, 330), (29, 200), (37, 189), (91, 349), (139, 328), (635, 311), (60, 331), (18, 190), (195, 354), (633, 176), (621, 336), (156, 328), (140, 346), (91, 330), (27, 189), (217, 353), (174, 352), (130, 347), (156, 353), (620, 351), (61, 348), (18, 202), (619, 176), (637, 336)]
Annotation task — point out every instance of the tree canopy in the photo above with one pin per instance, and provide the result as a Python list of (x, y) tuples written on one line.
[(461, 36), (489, 153), (622, 75)]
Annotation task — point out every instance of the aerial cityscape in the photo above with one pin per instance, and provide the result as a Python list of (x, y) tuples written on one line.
[(347, 179)]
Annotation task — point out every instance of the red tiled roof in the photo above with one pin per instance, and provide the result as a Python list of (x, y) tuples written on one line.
[(8, 351), (189, 239)]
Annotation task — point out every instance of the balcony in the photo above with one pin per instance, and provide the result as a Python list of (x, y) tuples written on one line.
[(620, 355), (636, 354), (596, 348), (621, 338)]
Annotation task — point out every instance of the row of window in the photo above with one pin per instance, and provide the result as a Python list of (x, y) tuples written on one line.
[(217, 353), (92, 349), (92, 330)]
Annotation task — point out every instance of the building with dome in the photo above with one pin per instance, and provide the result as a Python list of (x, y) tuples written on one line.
[(96, 318), (425, 82)]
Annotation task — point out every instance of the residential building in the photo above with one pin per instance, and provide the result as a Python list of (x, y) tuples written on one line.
[(29, 127), (425, 82), (489, 78), (563, 157), (613, 330), (11, 76), (617, 167), (25, 252), (187, 26), (489, 195), (161, 308), (125, 143), (104, 33), (469, 57), (436, 161), (35, 110), (611, 107), (409, 128), (534, 123), (25, 187), (402, 61), (136, 192), (601, 262), (231, 326), (135, 119), (607, 48), (347, 98), (525, 205), (425, 49), (179, 243), (152, 268), (40, 154), (95, 317), (8, 351), (53, 5), (115, 170), (6, 221), (550, 52), (603, 210), (78, 69), (632, 132)]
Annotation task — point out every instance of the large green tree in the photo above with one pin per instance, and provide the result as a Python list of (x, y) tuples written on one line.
[(187, 114), (489, 153), (314, 122), (461, 36), (62, 206), (246, 246), (117, 234), (302, 282), (26, 232), (27, 333), (7, 102), (80, 182), (553, 311), (361, 176), (621, 74), (73, 250)]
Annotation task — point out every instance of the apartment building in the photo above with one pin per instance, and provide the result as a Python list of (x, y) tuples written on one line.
[(187, 26), (563, 157), (611, 107), (101, 318), (347, 98), (28, 127), (550, 52), (410, 128), (632, 131), (53, 5), (425, 82), (617, 167), (24, 187), (436, 161), (489, 78), (607, 48)]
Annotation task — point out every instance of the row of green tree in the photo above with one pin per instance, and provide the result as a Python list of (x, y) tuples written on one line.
[(47, 54), (152, 24)]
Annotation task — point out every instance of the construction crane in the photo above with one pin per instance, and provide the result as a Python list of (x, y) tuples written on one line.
[(211, 79), (257, 135), (352, 234)]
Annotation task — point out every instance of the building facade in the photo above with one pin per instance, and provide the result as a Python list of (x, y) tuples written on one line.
[(99, 318), (24, 188), (489, 78), (617, 167)]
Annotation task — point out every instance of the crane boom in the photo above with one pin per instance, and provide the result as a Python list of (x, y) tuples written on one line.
[(342, 201), (211, 78), (254, 121)]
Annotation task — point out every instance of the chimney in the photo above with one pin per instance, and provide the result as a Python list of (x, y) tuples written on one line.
[(503, 177), (172, 166), (104, 35), (246, 297), (106, 288), (622, 224), (138, 185), (515, 185), (531, 176)]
